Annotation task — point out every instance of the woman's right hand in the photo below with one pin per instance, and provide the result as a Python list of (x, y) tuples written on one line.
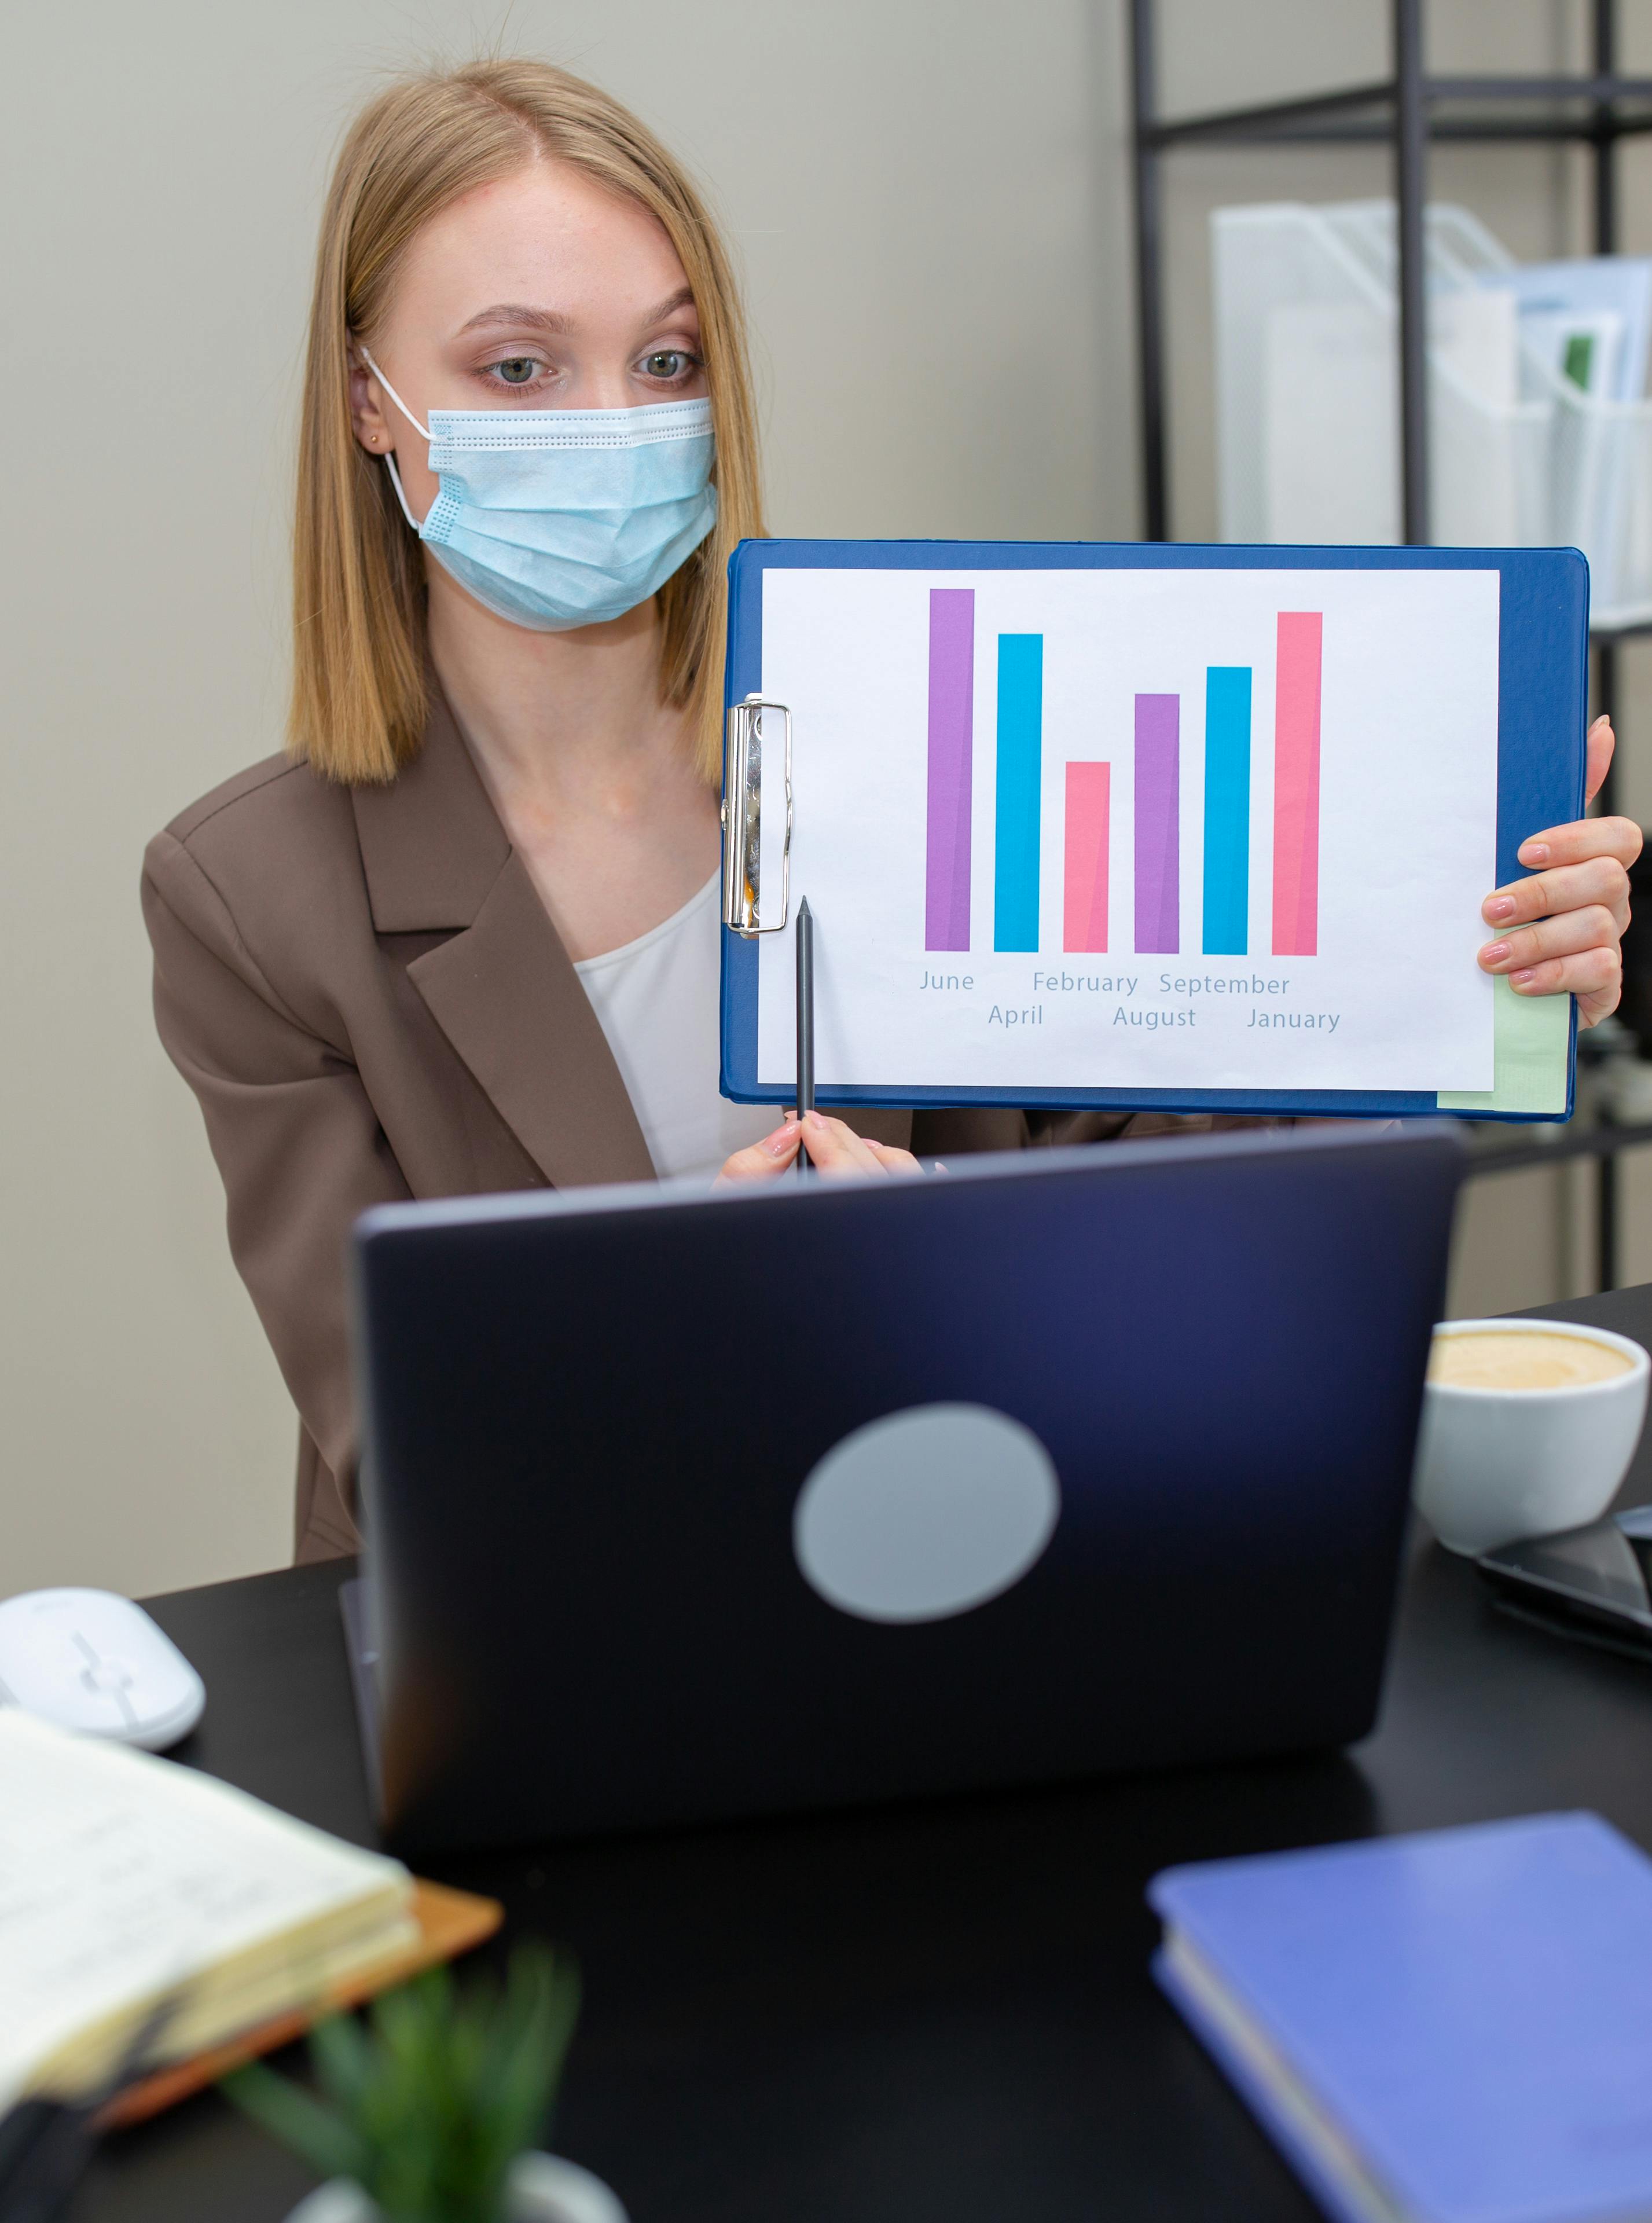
[(833, 1150)]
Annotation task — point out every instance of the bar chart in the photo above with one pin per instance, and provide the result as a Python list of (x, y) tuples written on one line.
[(1151, 824), (1160, 735)]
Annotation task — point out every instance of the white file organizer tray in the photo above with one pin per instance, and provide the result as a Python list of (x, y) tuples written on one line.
[(1308, 402)]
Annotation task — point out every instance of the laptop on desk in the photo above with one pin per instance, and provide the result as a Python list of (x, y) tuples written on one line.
[(682, 1506)]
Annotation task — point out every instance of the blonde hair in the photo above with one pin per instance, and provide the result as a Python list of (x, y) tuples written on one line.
[(359, 681)]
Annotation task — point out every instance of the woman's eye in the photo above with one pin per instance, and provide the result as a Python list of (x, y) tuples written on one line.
[(670, 362), (517, 369)]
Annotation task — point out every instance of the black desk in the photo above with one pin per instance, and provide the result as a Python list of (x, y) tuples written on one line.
[(934, 2012)]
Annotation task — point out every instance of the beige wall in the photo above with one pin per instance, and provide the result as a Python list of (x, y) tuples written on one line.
[(929, 202)]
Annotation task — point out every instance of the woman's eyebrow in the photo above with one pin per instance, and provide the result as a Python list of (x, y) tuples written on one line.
[(518, 314), (513, 312), (683, 298)]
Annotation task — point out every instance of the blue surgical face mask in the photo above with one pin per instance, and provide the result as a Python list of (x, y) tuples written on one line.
[(556, 517)]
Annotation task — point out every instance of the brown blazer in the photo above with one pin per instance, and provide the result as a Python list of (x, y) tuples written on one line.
[(366, 995)]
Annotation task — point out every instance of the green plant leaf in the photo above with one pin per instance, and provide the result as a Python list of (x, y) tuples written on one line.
[(315, 2132), (432, 2101), (342, 2060)]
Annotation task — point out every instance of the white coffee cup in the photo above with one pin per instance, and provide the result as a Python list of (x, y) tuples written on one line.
[(1494, 1465)]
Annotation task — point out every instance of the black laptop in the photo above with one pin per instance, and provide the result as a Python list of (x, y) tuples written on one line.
[(683, 1504)]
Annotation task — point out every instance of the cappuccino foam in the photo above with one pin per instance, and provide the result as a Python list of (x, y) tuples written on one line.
[(1525, 1358)]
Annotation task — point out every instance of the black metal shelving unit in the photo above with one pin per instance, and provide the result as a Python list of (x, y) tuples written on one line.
[(1408, 110)]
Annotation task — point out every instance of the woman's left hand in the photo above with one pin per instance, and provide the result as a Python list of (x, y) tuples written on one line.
[(1558, 932)]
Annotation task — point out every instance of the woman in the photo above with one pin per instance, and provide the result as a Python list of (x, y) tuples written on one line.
[(463, 937)]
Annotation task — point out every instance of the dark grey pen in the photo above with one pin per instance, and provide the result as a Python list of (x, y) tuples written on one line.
[(805, 1023), (46, 2145)]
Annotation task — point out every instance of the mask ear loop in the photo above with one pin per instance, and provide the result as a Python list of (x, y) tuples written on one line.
[(421, 429)]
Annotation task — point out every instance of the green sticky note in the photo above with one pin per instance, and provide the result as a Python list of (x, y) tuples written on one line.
[(1531, 1045)]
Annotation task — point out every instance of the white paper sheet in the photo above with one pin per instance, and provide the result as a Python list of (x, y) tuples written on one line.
[(1391, 998)]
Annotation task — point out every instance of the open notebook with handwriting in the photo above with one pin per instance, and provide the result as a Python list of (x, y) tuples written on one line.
[(127, 1881)]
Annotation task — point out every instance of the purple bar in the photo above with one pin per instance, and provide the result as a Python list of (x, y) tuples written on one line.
[(1158, 823), (952, 726)]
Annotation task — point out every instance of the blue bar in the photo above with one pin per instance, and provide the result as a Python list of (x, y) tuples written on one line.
[(1021, 722), (1227, 809)]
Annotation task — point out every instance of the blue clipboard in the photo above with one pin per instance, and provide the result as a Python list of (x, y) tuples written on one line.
[(1543, 707)]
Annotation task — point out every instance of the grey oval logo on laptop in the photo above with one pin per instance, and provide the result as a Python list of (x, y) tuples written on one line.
[(926, 1513)]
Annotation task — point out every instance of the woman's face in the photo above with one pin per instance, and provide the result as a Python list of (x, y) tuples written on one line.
[(539, 292)]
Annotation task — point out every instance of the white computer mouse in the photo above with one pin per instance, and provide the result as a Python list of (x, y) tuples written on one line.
[(94, 1662)]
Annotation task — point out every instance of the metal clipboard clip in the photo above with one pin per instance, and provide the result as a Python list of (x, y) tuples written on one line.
[(742, 816)]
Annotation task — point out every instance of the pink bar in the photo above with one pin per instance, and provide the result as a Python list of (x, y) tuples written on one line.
[(1295, 784), (1085, 888)]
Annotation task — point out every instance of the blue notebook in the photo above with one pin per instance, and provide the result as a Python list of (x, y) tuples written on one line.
[(1136, 827), (1450, 2028)]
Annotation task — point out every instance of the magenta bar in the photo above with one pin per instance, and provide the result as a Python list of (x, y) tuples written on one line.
[(1159, 909), (1084, 910), (1295, 784), (951, 725)]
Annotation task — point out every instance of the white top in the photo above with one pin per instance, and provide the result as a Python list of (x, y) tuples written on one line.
[(657, 998)]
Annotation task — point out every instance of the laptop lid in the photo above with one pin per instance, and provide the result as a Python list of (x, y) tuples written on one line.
[(681, 1505)]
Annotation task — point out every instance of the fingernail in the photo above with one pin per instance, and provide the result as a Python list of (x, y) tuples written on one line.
[(780, 1142), (814, 1120), (1494, 953), (1499, 907), (1534, 852), (1524, 979), (1600, 720)]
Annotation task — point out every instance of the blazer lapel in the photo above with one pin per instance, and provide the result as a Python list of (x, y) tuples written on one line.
[(501, 989), (509, 1001)]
